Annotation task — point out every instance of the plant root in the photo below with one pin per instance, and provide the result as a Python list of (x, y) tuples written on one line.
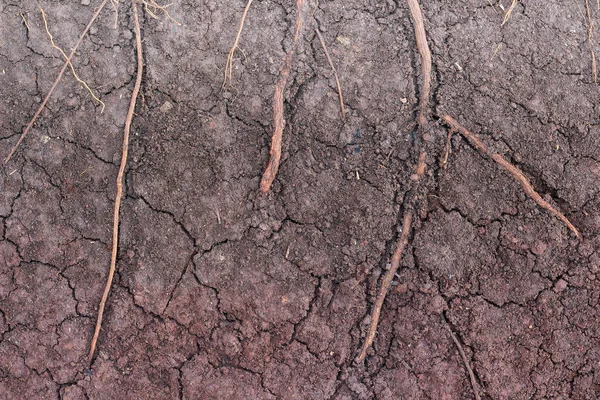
[(464, 359), (508, 12), (229, 62), (425, 53), (115, 238), (56, 81), (278, 117), (115, 4), (444, 160), (515, 172), (27, 25), (386, 282), (591, 40), (337, 81), (70, 63), (152, 8)]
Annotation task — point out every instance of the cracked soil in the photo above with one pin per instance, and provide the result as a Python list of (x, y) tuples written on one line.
[(225, 293)]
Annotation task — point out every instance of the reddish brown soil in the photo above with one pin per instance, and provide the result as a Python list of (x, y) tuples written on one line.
[(224, 293)]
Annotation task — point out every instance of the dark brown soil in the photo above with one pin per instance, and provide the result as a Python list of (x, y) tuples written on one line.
[(225, 293)]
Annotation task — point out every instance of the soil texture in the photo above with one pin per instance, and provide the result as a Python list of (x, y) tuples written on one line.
[(223, 292)]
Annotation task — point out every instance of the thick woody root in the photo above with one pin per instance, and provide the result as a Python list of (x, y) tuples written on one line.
[(515, 172), (115, 237), (421, 37), (386, 282), (278, 117)]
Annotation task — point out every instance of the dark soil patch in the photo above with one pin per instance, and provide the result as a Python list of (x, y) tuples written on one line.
[(225, 293)]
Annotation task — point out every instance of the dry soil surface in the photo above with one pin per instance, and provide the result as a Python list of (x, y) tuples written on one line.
[(225, 293)]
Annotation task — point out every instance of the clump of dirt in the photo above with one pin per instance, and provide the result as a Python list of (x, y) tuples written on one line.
[(223, 292)]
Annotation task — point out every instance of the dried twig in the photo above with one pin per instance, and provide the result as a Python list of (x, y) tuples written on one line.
[(591, 41), (229, 62), (465, 361), (278, 117), (337, 81), (70, 63), (58, 78), (423, 47), (514, 171), (509, 11), (115, 238)]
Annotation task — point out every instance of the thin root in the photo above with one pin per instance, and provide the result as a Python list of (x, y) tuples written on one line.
[(153, 8), (337, 81), (115, 4), (58, 78), (229, 62), (70, 63), (24, 21), (465, 361), (516, 173), (444, 160), (115, 238), (509, 12), (591, 41), (279, 120)]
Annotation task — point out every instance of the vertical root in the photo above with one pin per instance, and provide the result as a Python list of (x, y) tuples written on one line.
[(465, 361), (425, 53), (591, 41), (56, 81), (115, 238), (278, 117), (229, 62), (385, 284), (421, 37)]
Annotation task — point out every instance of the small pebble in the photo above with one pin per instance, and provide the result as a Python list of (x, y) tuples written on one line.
[(85, 2), (166, 107)]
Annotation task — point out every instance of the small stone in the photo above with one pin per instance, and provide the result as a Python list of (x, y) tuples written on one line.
[(85, 2), (166, 107)]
